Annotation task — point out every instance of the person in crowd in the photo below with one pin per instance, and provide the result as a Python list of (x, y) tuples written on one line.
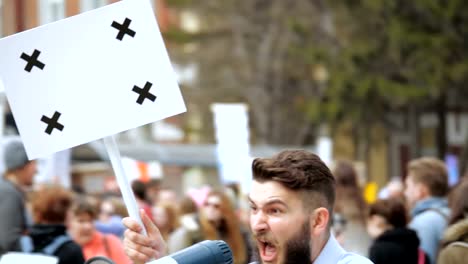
[(167, 195), (220, 221), (109, 220), (166, 218), (339, 228), (426, 188), (217, 221), (291, 199), (394, 189), (455, 241), (350, 205), (50, 207), (139, 189), (152, 190), (190, 231), (18, 177), (233, 192), (394, 242), (120, 209), (82, 230)]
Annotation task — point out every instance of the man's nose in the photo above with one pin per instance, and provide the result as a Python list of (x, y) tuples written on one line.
[(259, 222)]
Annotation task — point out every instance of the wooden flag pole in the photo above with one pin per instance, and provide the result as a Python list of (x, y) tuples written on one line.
[(122, 181)]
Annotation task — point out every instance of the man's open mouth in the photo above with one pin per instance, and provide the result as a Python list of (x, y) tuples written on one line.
[(268, 250)]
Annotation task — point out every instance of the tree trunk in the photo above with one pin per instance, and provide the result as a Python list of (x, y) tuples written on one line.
[(442, 126), (414, 131), (464, 160)]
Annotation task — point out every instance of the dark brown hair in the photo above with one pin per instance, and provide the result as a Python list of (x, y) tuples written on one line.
[(139, 189), (432, 173), (299, 170), (50, 204), (349, 199), (393, 210), (459, 203)]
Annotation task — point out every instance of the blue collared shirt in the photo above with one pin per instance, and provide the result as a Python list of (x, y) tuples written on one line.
[(333, 253)]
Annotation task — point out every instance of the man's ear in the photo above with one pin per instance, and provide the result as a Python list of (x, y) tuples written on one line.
[(319, 219)]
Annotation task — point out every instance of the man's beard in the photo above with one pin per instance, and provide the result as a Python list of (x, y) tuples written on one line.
[(299, 246)]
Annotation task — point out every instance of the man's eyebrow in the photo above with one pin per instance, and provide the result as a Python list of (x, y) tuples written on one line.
[(275, 201), (270, 202)]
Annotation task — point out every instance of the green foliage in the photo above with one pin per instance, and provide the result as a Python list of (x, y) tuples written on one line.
[(397, 53), (180, 3), (380, 56), (178, 36)]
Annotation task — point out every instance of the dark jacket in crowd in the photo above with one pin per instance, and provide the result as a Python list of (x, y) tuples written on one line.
[(455, 243), (395, 246), (13, 218), (43, 235)]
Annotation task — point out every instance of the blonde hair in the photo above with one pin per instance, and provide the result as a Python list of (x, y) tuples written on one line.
[(432, 173)]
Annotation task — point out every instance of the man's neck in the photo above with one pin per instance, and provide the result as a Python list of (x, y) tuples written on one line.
[(13, 178), (318, 244)]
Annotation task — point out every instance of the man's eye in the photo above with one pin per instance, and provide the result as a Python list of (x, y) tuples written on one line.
[(274, 211)]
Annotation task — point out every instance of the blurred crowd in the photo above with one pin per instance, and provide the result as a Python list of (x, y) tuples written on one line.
[(415, 220), (420, 220)]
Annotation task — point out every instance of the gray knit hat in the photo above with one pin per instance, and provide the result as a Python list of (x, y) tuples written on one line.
[(15, 155)]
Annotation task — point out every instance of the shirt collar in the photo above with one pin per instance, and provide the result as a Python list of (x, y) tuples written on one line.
[(331, 252)]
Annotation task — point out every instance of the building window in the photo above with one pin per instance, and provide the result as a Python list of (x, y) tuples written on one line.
[(51, 10), (86, 5)]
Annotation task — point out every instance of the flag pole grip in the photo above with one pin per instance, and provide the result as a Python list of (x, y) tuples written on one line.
[(122, 180)]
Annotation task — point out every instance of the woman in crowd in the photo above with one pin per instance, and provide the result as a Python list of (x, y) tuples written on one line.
[(455, 240), (351, 208), (83, 231), (109, 219), (394, 243), (216, 220), (50, 206), (221, 222), (189, 232), (165, 218)]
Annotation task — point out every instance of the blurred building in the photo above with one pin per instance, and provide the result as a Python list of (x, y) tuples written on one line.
[(20, 15), (390, 152)]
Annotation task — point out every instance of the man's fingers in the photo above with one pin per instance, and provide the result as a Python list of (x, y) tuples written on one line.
[(153, 232), (136, 256), (137, 238), (132, 224), (150, 227), (139, 247), (147, 251)]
